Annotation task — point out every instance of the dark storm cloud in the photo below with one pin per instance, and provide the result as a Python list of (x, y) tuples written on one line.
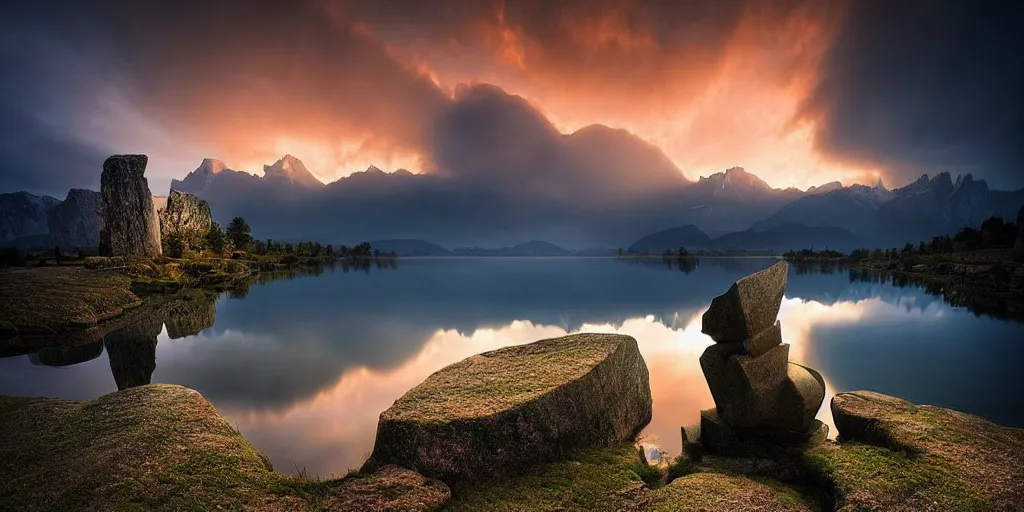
[(927, 85), (909, 86)]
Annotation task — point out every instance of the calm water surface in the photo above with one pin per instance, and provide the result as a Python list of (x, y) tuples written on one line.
[(303, 367)]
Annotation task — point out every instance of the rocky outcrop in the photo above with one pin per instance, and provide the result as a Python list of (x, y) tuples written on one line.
[(23, 214), (165, 447), (130, 222), (1018, 247), (75, 223), (496, 413), (761, 399), (185, 216), (896, 455)]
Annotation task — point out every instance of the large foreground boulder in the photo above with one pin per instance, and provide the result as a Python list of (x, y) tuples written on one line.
[(130, 223), (895, 455), (76, 222), (495, 413), (162, 447)]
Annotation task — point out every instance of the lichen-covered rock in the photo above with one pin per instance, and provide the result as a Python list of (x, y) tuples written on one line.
[(714, 492), (185, 216), (763, 341), (163, 447), (130, 222), (496, 413), (745, 388), (75, 223), (895, 455), (749, 307)]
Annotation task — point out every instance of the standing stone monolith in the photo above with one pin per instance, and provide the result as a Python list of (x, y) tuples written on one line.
[(761, 399), (130, 222)]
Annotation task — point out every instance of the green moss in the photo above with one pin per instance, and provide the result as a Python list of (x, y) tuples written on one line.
[(160, 448), (873, 476), (496, 381), (589, 480), (719, 492)]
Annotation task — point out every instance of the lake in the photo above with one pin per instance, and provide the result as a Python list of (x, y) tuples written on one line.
[(303, 367)]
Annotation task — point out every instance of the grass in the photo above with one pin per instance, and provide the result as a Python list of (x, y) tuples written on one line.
[(711, 492), (164, 447), (589, 480), (496, 381)]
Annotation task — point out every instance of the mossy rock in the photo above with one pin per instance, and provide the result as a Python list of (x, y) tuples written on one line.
[(716, 492), (895, 455), (590, 480), (164, 447), (60, 299), (496, 413)]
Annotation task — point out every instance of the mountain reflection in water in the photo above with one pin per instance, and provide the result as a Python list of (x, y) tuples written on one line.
[(304, 367)]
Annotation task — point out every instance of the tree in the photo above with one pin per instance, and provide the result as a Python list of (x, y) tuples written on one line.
[(238, 233), (174, 245), (215, 238), (620, 251), (330, 251)]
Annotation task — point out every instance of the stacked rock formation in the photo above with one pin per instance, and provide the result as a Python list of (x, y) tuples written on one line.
[(760, 397), (76, 222), (131, 225)]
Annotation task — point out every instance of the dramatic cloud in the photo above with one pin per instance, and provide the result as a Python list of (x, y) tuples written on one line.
[(923, 86), (796, 91)]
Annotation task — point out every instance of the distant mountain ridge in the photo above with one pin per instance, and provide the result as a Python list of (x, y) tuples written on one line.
[(925, 208), (775, 239), (24, 215)]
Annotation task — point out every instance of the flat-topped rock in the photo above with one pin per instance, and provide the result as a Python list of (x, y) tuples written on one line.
[(163, 447), (749, 307), (495, 413), (895, 455), (130, 222)]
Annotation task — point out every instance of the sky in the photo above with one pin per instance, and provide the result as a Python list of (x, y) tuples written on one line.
[(798, 92)]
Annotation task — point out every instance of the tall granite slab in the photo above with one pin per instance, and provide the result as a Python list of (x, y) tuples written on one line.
[(131, 225)]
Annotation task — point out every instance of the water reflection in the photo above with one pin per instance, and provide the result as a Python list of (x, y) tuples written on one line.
[(303, 367)]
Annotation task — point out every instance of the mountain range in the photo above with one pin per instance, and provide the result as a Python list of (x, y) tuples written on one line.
[(596, 187)]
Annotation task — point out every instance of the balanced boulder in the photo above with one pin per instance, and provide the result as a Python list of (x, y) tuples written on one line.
[(496, 413), (749, 307), (758, 393), (131, 226)]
